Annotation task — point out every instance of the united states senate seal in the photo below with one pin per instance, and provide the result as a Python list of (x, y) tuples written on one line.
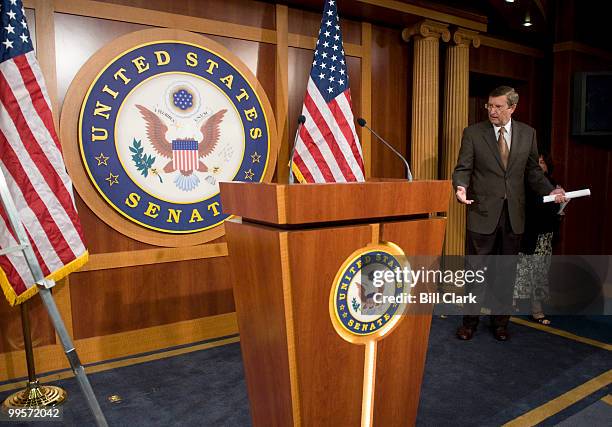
[(163, 122), (359, 309)]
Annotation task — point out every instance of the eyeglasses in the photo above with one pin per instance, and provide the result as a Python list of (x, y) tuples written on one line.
[(496, 107)]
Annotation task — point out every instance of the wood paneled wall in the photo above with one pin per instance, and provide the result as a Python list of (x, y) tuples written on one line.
[(581, 162), (133, 297), (391, 68), (523, 69), (156, 297)]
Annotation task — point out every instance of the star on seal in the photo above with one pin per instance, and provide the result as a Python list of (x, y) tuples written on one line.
[(112, 179), (102, 159)]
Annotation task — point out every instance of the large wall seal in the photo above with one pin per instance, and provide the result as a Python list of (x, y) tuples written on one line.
[(161, 117)]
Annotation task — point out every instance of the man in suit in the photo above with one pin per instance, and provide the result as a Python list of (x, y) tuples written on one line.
[(496, 159)]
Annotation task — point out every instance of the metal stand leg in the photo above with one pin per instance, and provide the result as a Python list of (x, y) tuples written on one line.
[(72, 356)]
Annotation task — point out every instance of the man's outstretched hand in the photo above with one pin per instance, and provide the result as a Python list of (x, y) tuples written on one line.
[(559, 194), (462, 196)]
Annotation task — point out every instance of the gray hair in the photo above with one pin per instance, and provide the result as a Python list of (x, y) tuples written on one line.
[(506, 91)]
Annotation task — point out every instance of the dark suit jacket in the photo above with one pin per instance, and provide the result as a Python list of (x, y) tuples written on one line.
[(479, 169)]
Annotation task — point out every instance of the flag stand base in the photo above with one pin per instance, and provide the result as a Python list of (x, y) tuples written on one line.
[(36, 396)]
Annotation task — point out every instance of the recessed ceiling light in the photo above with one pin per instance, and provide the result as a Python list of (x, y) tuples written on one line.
[(509, 1), (527, 21)]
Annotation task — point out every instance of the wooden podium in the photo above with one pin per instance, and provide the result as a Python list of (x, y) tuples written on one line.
[(285, 255)]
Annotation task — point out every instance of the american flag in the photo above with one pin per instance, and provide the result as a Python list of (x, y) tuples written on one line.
[(185, 154), (31, 160), (327, 148)]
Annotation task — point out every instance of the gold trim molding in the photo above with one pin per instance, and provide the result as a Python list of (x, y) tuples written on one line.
[(426, 13), (510, 47), (109, 260), (95, 349)]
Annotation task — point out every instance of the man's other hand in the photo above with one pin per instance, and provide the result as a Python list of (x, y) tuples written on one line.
[(462, 196), (559, 194)]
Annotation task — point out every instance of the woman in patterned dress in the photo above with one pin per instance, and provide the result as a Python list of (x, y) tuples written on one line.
[(541, 226)]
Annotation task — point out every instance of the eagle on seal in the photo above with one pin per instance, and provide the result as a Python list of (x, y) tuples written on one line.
[(156, 132)]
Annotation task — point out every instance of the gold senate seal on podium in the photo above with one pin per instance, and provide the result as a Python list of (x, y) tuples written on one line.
[(361, 303)]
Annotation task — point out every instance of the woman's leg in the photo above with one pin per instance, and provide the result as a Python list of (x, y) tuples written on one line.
[(541, 266)]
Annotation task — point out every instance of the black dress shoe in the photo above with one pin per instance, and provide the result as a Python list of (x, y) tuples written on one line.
[(465, 333), (501, 333)]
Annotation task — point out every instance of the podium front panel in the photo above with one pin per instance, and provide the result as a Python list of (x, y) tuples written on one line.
[(294, 243)]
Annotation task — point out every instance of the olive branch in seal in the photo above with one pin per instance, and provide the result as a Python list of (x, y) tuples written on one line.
[(143, 162)]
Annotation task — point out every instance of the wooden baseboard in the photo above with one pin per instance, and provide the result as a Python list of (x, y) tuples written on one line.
[(91, 350)]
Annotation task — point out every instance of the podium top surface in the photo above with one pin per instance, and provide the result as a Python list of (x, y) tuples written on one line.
[(285, 204)]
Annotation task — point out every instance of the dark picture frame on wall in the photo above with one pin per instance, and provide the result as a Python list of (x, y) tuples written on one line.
[(591, 96)]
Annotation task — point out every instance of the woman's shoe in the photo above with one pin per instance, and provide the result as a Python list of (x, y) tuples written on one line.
[(540, 318)]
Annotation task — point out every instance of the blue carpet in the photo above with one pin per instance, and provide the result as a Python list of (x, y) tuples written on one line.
[(595, 327), (582, 413), (596, 414), (476, 383), (484, 382), (203, 388)]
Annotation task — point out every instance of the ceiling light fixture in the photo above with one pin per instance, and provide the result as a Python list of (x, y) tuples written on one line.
[(509, 1), (527, 22)]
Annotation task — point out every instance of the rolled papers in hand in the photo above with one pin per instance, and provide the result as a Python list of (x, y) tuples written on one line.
[(569, 195)]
